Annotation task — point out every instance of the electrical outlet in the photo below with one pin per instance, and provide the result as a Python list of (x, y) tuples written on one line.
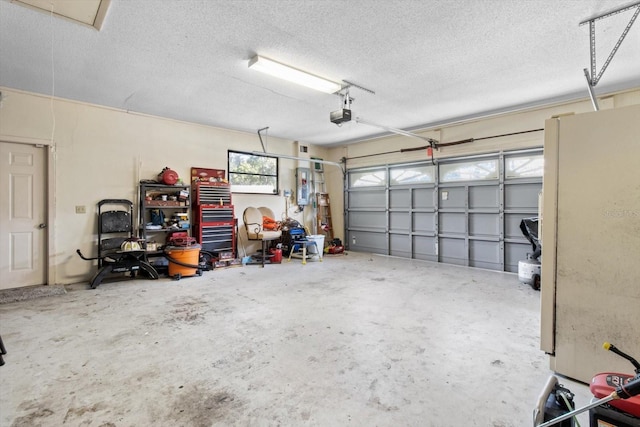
[(81, 209)]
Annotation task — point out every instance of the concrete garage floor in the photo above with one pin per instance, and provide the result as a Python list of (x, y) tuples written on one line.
[(360, 340)]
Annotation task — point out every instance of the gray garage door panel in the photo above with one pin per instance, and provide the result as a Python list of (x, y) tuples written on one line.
[(399, 221), (399, 198), (484, 196), (453, 223), (364, 241), (424, 248), (370, 220), (521, 196), (453, 197), (400, 245), (514, 252), (368, 199), (424, 222), (452, 251), (484, 254), (423, 198), (512, 226), (484, 224)]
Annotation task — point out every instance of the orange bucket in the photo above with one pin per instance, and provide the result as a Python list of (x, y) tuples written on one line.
[(185, 255)]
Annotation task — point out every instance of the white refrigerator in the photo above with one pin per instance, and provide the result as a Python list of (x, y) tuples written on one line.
[(591, 241)]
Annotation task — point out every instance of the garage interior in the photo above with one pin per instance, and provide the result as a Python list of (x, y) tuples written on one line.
[(442, 135)]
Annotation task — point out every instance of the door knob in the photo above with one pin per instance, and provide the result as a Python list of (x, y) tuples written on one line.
[(43, 225)]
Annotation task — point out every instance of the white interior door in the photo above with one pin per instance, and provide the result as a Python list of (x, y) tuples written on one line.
[(22, 215)]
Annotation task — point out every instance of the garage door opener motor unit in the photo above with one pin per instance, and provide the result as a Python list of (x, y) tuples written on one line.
[(343, 114)]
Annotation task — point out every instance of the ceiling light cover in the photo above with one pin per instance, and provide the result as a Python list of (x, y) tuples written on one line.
[(88, 12), (285, 72)]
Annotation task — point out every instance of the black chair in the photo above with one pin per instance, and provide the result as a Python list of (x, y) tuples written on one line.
[(115, 227)]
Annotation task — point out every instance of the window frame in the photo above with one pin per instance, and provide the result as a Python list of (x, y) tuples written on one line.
[(445, 168), (427, 171), (513, 172), (231, 173), (381, 181)]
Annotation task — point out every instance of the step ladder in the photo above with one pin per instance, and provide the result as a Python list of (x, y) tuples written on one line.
[(322, 206), (323, 211)]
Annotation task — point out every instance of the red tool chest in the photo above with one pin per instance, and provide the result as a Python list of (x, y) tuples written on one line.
[(213, 214)]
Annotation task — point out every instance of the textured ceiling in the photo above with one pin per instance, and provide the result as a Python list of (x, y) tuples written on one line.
[(428, 61)]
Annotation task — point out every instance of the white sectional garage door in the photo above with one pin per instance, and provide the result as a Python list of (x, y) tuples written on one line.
[(463, 211)]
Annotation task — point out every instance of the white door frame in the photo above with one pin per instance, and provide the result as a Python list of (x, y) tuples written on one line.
[(49, 188)]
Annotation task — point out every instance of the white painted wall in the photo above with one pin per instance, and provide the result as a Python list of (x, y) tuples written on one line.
[(100, 153)]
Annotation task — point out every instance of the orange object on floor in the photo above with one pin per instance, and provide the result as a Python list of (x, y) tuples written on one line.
[(189, 255), (276, 255)]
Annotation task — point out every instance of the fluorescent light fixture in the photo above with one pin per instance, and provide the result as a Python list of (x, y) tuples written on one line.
[(285, 72)]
